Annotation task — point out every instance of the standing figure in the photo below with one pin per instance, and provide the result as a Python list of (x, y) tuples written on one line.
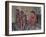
[(22, 20), (17, 17), (32, 19)]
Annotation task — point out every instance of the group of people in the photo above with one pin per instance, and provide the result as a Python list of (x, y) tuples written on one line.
[(22, 23), (20, 19)]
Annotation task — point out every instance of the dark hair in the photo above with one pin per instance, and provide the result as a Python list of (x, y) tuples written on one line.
[(33, 12), (22, 12), (17, 9)]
